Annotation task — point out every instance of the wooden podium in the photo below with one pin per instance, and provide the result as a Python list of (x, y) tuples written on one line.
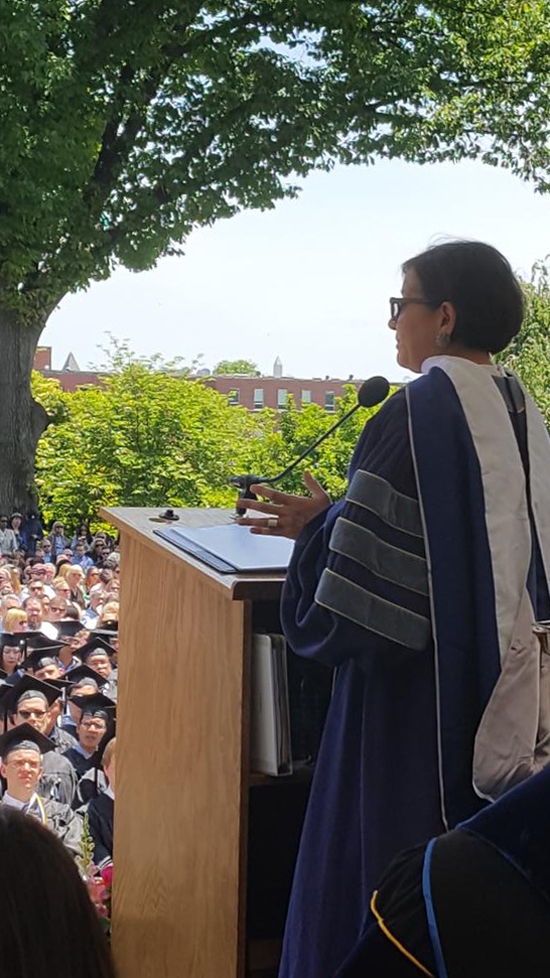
[(183, 794)]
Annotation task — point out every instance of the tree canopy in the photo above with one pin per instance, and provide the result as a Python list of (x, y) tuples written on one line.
[(151, 436), (147, 437), (243, 367), (529, 352), (125, 125)]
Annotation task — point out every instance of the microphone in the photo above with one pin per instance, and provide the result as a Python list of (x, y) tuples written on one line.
[(371, 392)]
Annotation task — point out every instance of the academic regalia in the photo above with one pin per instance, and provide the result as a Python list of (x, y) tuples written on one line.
[(101, 814), (91, 784), (55, 815), (474, 902), (62, 739), (66, 824), (59, 780), (410, 588), (80, 763)]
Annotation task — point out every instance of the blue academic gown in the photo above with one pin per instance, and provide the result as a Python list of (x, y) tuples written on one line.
[(395, 763)]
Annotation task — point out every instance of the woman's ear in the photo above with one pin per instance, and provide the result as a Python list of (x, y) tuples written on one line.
[(448, 318)]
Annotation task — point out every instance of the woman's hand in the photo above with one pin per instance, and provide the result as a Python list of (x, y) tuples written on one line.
[(286, 515)]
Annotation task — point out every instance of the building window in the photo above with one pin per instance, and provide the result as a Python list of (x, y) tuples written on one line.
[(282, 398), (306, 397), (329, 401), (234, 397), (258, 398)]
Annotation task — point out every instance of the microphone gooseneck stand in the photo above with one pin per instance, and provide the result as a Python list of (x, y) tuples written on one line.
[(371, 392)]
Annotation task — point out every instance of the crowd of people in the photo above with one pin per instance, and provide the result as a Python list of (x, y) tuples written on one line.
[(59, 601)]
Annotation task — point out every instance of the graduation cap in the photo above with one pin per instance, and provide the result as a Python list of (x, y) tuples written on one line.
[(94, 645), (38, 640), (48, 654), (84, 672), (12, 640), (69, 627), (96, 703), (28, 684), (37, 656), (24, 737), (61, 684), (108, 628)]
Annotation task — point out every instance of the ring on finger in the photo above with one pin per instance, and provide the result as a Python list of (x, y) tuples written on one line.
[(272, 522)]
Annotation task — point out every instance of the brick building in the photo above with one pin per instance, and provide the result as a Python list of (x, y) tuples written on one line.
[(253, 393)]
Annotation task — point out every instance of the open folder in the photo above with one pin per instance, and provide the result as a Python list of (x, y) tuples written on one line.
[(230, 548), (270, 749)]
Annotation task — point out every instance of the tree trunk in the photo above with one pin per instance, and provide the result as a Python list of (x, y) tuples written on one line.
[(22, 420)]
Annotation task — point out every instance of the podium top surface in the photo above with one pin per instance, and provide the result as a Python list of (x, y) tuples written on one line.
[(140, 522)]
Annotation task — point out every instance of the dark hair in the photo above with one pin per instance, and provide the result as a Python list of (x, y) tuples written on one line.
[(481, 286), (49, 925)]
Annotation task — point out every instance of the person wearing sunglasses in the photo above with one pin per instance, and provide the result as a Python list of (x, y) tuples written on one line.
[(420, 588), (29, 702)]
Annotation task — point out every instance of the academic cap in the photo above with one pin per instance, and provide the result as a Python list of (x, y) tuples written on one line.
[(96, 703), (108, 628), (33, 659), (24, 736), (60, 684), (94, 645), (83, 672), (29, 684), (37, 655), (69, 627), (38, 640), (12, 640)]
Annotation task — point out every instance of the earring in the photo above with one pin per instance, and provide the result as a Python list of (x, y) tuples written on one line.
[(442, 340)]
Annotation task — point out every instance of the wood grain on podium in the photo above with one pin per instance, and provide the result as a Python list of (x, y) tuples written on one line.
[(182, 760)]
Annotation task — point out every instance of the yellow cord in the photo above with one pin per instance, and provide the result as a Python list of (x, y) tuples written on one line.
[(394, 940)]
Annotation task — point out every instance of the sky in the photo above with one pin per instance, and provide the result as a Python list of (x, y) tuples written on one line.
[(308, 281)]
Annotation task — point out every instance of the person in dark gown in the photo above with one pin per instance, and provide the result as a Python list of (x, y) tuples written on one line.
[(22, 750), (474, 902), (101, 808), (418, 588), (28, 701), (90, 730)]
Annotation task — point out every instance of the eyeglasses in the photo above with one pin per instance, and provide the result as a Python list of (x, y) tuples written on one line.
[(55, 607), (397, 304), (37, 587), (27, 714)]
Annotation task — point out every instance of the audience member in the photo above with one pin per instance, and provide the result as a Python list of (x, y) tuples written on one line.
[(23, 751), (74, 577), (101, 808), (8, 540), (14, 621), (29, 702), (49, 924), (57, 539)]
